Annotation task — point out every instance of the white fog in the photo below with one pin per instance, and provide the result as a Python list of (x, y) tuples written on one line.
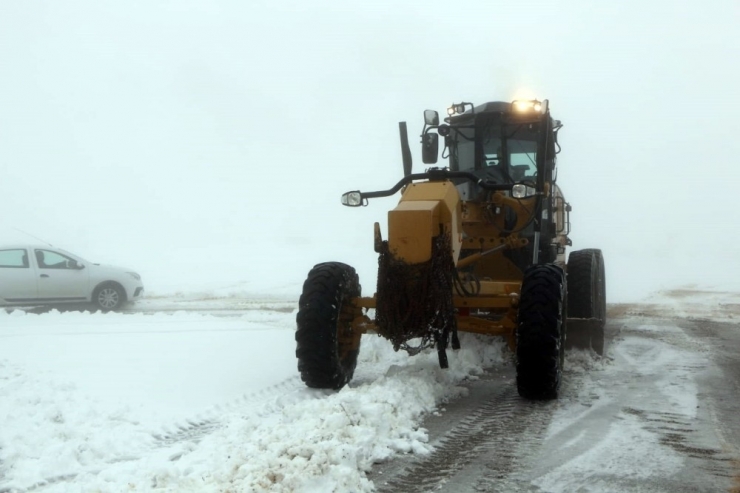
[(220, 135)]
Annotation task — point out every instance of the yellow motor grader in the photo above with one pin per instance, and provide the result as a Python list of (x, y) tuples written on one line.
[(478, 246)]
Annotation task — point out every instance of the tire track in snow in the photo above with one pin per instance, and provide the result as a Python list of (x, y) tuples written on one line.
[(194, 430), (490, 441), (650, 392), (680, 434)]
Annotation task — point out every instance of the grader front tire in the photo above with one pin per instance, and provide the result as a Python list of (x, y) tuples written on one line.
[(325, 346), (538, 334)]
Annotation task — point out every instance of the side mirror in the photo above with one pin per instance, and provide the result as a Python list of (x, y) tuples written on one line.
[(429, 148), (72, 264), (431, 117)]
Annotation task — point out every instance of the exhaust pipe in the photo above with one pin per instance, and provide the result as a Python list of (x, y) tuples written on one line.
[(405, 150)]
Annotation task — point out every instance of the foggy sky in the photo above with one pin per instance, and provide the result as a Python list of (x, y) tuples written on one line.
[(221, 134)]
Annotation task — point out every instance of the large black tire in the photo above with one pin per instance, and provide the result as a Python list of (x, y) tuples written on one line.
[(109, 296), (539, 332), (325, 346), (587, 297)]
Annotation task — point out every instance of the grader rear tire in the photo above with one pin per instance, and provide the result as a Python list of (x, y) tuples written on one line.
[(587, 297), (325, 346), (538, 334)]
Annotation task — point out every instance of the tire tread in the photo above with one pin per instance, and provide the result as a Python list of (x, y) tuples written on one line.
[(539, 332), (327, 289)]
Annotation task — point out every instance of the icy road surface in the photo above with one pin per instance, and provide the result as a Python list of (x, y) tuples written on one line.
[(170, 399)]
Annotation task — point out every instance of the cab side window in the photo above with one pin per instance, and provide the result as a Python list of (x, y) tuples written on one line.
[(13, 259), (52, 260)]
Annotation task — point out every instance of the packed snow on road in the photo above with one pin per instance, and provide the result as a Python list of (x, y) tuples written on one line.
[(166, 399)]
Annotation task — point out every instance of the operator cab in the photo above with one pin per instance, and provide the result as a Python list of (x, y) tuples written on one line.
[(498, 144), (504, 143)]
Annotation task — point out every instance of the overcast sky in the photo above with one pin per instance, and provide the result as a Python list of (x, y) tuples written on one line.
[(169, 134)]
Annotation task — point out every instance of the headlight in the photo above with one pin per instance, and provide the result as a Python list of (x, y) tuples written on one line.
[(458, 108), (520, 191), (352, 199), (134, 275), (528, 105)]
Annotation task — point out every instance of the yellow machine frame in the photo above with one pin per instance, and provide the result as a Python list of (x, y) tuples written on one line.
[(429, 208)]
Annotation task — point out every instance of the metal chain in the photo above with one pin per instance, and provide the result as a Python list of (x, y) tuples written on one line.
[(415, 300)]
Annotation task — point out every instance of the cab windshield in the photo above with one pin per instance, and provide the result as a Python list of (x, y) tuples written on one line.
[(506, 155)]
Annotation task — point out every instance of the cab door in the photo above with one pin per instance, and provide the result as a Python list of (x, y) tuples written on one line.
[(60, 278), (17, 276)]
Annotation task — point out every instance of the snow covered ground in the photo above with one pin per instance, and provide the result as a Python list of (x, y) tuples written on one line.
[(175, 400), (182, 401)]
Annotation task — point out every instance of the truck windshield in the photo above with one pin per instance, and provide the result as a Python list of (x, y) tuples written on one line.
[(522, 150), (519, 163)]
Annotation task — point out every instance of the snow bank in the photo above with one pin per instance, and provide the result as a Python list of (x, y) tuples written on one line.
[(187, 402)]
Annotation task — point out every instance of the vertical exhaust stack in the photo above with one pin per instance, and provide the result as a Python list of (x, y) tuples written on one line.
[(405, 149)]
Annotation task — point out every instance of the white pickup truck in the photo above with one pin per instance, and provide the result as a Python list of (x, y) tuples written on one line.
[(43, 275)]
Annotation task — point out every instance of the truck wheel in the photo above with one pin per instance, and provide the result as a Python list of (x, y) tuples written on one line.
[(326, 347), (587, 298), (538, 333)]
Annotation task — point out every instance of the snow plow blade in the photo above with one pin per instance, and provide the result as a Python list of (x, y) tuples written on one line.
[(585, 333)]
